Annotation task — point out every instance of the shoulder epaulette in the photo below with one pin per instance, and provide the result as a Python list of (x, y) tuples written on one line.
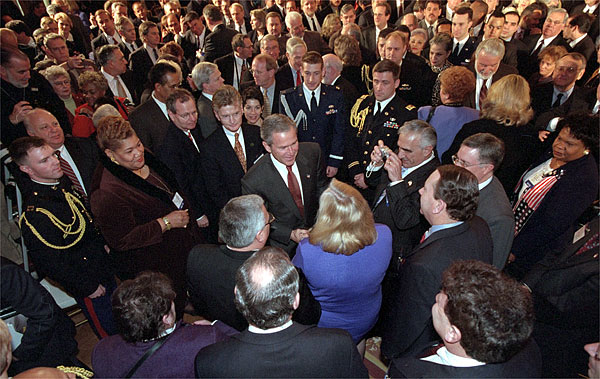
[(289, 90), (410, 107)]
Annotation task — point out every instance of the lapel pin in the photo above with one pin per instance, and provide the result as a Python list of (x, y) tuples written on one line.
[(410, 183), (307, 176)]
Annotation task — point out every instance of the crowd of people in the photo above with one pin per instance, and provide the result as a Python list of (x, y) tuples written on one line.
[(305, 176)]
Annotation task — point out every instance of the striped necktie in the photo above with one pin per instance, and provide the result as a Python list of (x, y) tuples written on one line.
[(68, 170)]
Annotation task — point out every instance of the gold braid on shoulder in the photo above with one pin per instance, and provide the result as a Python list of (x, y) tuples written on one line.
[(366, 78), (78, 211), (357, 118), (79, 372)]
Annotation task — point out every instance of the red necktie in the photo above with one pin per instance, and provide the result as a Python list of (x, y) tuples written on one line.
[(68, 170), (295, 190), (423, 237), (298, 79), (482, 94)]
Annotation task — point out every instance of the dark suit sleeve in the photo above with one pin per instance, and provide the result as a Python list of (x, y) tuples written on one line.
[(210, 49), (337, 144), (30, 299), (213, 174), (405, 205)]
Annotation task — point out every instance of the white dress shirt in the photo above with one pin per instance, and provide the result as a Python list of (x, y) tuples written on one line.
[(231, 138), (112, 84), (308, 95)]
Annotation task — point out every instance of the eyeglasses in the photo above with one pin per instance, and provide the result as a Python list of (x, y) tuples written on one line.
[(459, 162), (186, 116), (271, 219)]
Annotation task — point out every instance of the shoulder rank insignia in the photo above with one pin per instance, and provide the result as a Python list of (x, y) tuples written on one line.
[(410, 107)]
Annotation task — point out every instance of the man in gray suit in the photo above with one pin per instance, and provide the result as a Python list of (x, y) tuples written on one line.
[(482, 154), (207, 78)]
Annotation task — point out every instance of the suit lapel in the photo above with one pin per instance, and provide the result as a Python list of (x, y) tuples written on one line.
[(439, 235), (285, 194), (305, 178)]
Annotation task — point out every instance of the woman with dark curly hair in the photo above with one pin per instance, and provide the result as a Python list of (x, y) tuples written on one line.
[(447, 119), (253, 104), (145, 316)]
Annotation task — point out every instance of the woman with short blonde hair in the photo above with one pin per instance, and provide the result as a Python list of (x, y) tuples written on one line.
[(345, 259), (506, 113)]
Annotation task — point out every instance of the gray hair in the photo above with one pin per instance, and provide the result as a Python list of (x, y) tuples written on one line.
[(53, 72), (104, 111), (240, 220), (52, 36), (266, 303), (121, 22), (292, 43), (492, 46), (106, 54), (292, 16), (333, 61), (420, 31), (202, 72), (347, 8), (352, 30), (489, 147), (275, 123), (559, 10), (421, 129), (267, 38)]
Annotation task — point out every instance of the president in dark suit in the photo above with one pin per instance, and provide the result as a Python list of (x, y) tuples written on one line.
[(448, 201), (150, 119), (319, 112), (290, 179), (180, 152), (273, 345), (230, 151)]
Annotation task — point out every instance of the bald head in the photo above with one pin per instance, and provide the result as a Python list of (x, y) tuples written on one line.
[(41, 123)]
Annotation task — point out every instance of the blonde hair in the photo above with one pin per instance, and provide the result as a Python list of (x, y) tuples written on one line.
[(63, 17), (344, 223), (5, 347), (508, 101)]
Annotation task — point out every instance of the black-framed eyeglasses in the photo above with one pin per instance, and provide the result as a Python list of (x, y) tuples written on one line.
[(271, 219)]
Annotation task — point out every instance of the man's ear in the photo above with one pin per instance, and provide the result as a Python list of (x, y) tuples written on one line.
[(428, 150), (297, 300), (267, 147), (453, 334), (25, 169), (439, 206)]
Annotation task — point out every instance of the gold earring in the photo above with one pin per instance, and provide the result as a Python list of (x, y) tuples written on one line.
[(113, 160), (586, 152)]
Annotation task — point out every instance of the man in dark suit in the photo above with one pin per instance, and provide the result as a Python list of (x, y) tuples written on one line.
[(376, 117), (310, 18), (278, 7), (471, 306), (591, 8), (398, 182), (448, 201), (108, 35), (266, 291), (113, 66), (142, 59), (313, 40), (129, 42), (319, 112), (244, 226), (289, 75), (194, 39), (561, 96), (464, 45), (576, 32), (218, 42), (488, 68), (431, 13), (492, 29), (511, 24), (230, 151), (333, 66), (263, 69), (241, 23), (482, 154), (290, 179), (416, 77), (207, 78), (180, 152), (81, 154), (235, 66), (150, 119), (551, 36), (381, 16)]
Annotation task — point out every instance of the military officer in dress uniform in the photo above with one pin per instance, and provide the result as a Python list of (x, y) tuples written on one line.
[(318, 110), (62, 240), (376, 117)]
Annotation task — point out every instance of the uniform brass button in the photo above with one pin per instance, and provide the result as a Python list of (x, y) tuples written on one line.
[(366, 153), (367, 142), (370, 132)]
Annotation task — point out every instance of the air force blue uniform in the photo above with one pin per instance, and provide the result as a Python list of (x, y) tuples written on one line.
[(323, 125)]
